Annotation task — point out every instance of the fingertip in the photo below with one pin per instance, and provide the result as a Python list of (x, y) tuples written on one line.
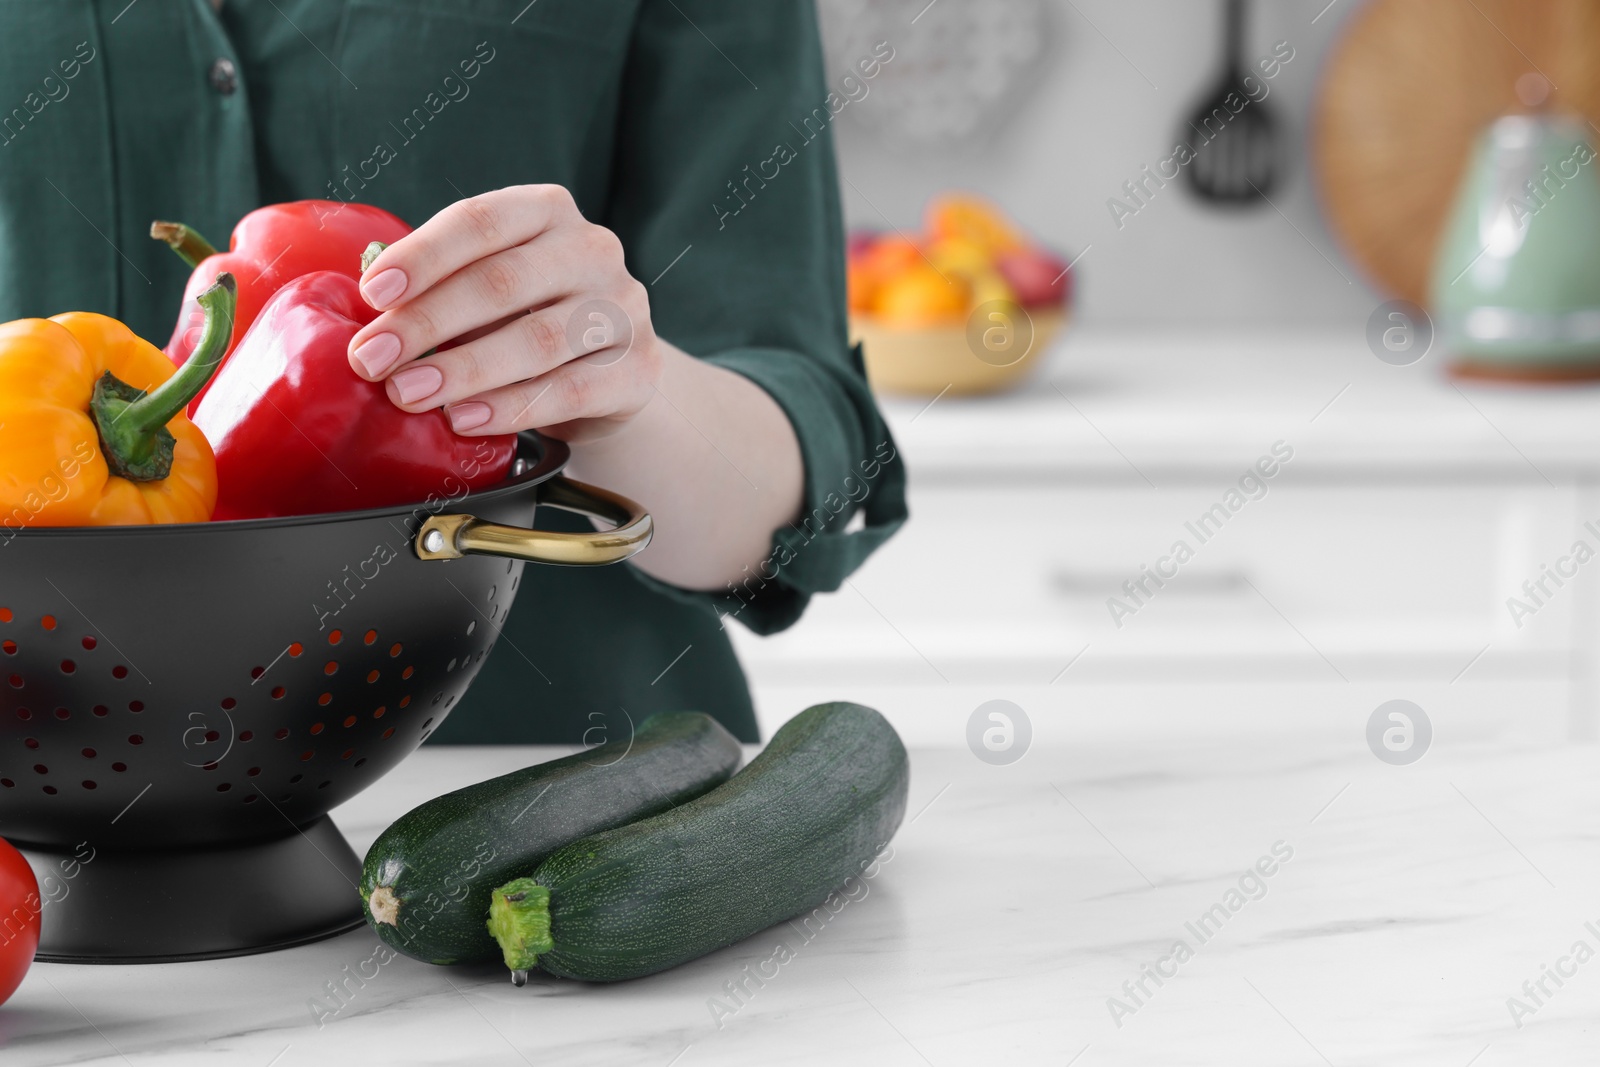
[(385, 287), (468, 415), (374, 356)]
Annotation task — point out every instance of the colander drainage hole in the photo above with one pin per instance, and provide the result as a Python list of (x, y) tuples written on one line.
[(135, 739), (5, 614), (31, 742), (89, 753), (101, 711), (370, 637), (283, 732), (24, 714), (50, 790), (119, 672), (136, 706), (323, 785), (119, 767), (8, 783), (10, 647), (39, 768), (48, 622), (67, 666), (88, 783), (228, 703), (251, 799), (89, 643), (63, 714), (296, 778), (246, 735), (471, 626), (335, 636)]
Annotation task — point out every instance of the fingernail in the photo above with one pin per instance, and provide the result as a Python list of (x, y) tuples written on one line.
[(468, 416), (384, 288), (417, 383), (377, 354)]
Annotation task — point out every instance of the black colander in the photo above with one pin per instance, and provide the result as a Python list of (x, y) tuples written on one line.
[(183, 704)]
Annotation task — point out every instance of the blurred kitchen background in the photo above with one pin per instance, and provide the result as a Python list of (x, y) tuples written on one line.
[(1378, 561)]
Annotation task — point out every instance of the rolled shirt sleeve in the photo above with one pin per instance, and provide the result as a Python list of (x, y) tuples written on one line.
[(726, 195)]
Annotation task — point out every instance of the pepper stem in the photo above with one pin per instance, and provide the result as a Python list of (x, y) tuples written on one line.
[(133, 423), (370, 253), (519, 919), (189, 245)]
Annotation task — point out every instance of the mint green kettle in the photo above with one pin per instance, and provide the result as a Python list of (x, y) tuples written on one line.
[(1515, 291)]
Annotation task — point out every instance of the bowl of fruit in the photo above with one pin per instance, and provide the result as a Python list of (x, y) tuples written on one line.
[(966, 306)]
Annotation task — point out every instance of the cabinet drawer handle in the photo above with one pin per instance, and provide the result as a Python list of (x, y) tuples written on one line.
[(1074, 583)]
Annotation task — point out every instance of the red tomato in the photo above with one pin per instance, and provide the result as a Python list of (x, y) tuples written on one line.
[(19, 919)]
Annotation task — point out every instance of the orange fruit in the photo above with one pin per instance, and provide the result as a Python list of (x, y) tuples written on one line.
[(860, 288), (889, 256), (921, 296), (971, 218), (960, 255)]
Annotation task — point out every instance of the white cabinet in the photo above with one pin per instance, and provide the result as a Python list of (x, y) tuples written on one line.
[(1376, 561)]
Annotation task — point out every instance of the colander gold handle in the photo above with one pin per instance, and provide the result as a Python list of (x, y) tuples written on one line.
[(454, 536)]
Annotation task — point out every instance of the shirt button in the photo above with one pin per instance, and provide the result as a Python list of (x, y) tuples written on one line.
[(224, 76)]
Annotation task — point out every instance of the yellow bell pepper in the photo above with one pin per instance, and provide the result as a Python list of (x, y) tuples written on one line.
[(92, 423)]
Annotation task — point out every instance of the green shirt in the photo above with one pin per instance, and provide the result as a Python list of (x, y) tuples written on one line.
[(696, 129)]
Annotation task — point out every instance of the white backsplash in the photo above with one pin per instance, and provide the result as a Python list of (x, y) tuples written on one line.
[(1118, 77)]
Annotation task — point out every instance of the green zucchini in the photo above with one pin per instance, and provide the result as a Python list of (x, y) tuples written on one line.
[(812, 809), (427, 880)]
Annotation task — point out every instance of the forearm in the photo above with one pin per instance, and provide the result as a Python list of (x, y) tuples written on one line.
[(714, 459)]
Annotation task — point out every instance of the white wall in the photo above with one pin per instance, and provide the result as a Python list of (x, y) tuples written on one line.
[(1091, 122)]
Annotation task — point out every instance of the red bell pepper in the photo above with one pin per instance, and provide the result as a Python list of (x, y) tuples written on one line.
[(270, 246), (296, 431)]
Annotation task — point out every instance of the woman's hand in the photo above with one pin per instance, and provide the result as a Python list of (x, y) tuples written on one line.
[(553, 332)]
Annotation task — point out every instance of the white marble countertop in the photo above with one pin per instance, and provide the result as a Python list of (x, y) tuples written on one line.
[(1017, 901)]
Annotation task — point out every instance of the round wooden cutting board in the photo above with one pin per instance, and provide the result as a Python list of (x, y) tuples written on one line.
[(1405, 93)]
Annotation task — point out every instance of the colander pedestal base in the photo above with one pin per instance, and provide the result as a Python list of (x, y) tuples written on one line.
[(196, 904)]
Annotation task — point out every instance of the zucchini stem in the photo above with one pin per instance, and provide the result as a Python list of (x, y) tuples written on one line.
[(519, 920), (384, 905)]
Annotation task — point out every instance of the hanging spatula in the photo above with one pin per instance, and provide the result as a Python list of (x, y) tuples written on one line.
[(1234, 137)]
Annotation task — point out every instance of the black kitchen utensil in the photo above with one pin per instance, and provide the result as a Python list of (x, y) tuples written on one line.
[(183, 704), (1234, 137)]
